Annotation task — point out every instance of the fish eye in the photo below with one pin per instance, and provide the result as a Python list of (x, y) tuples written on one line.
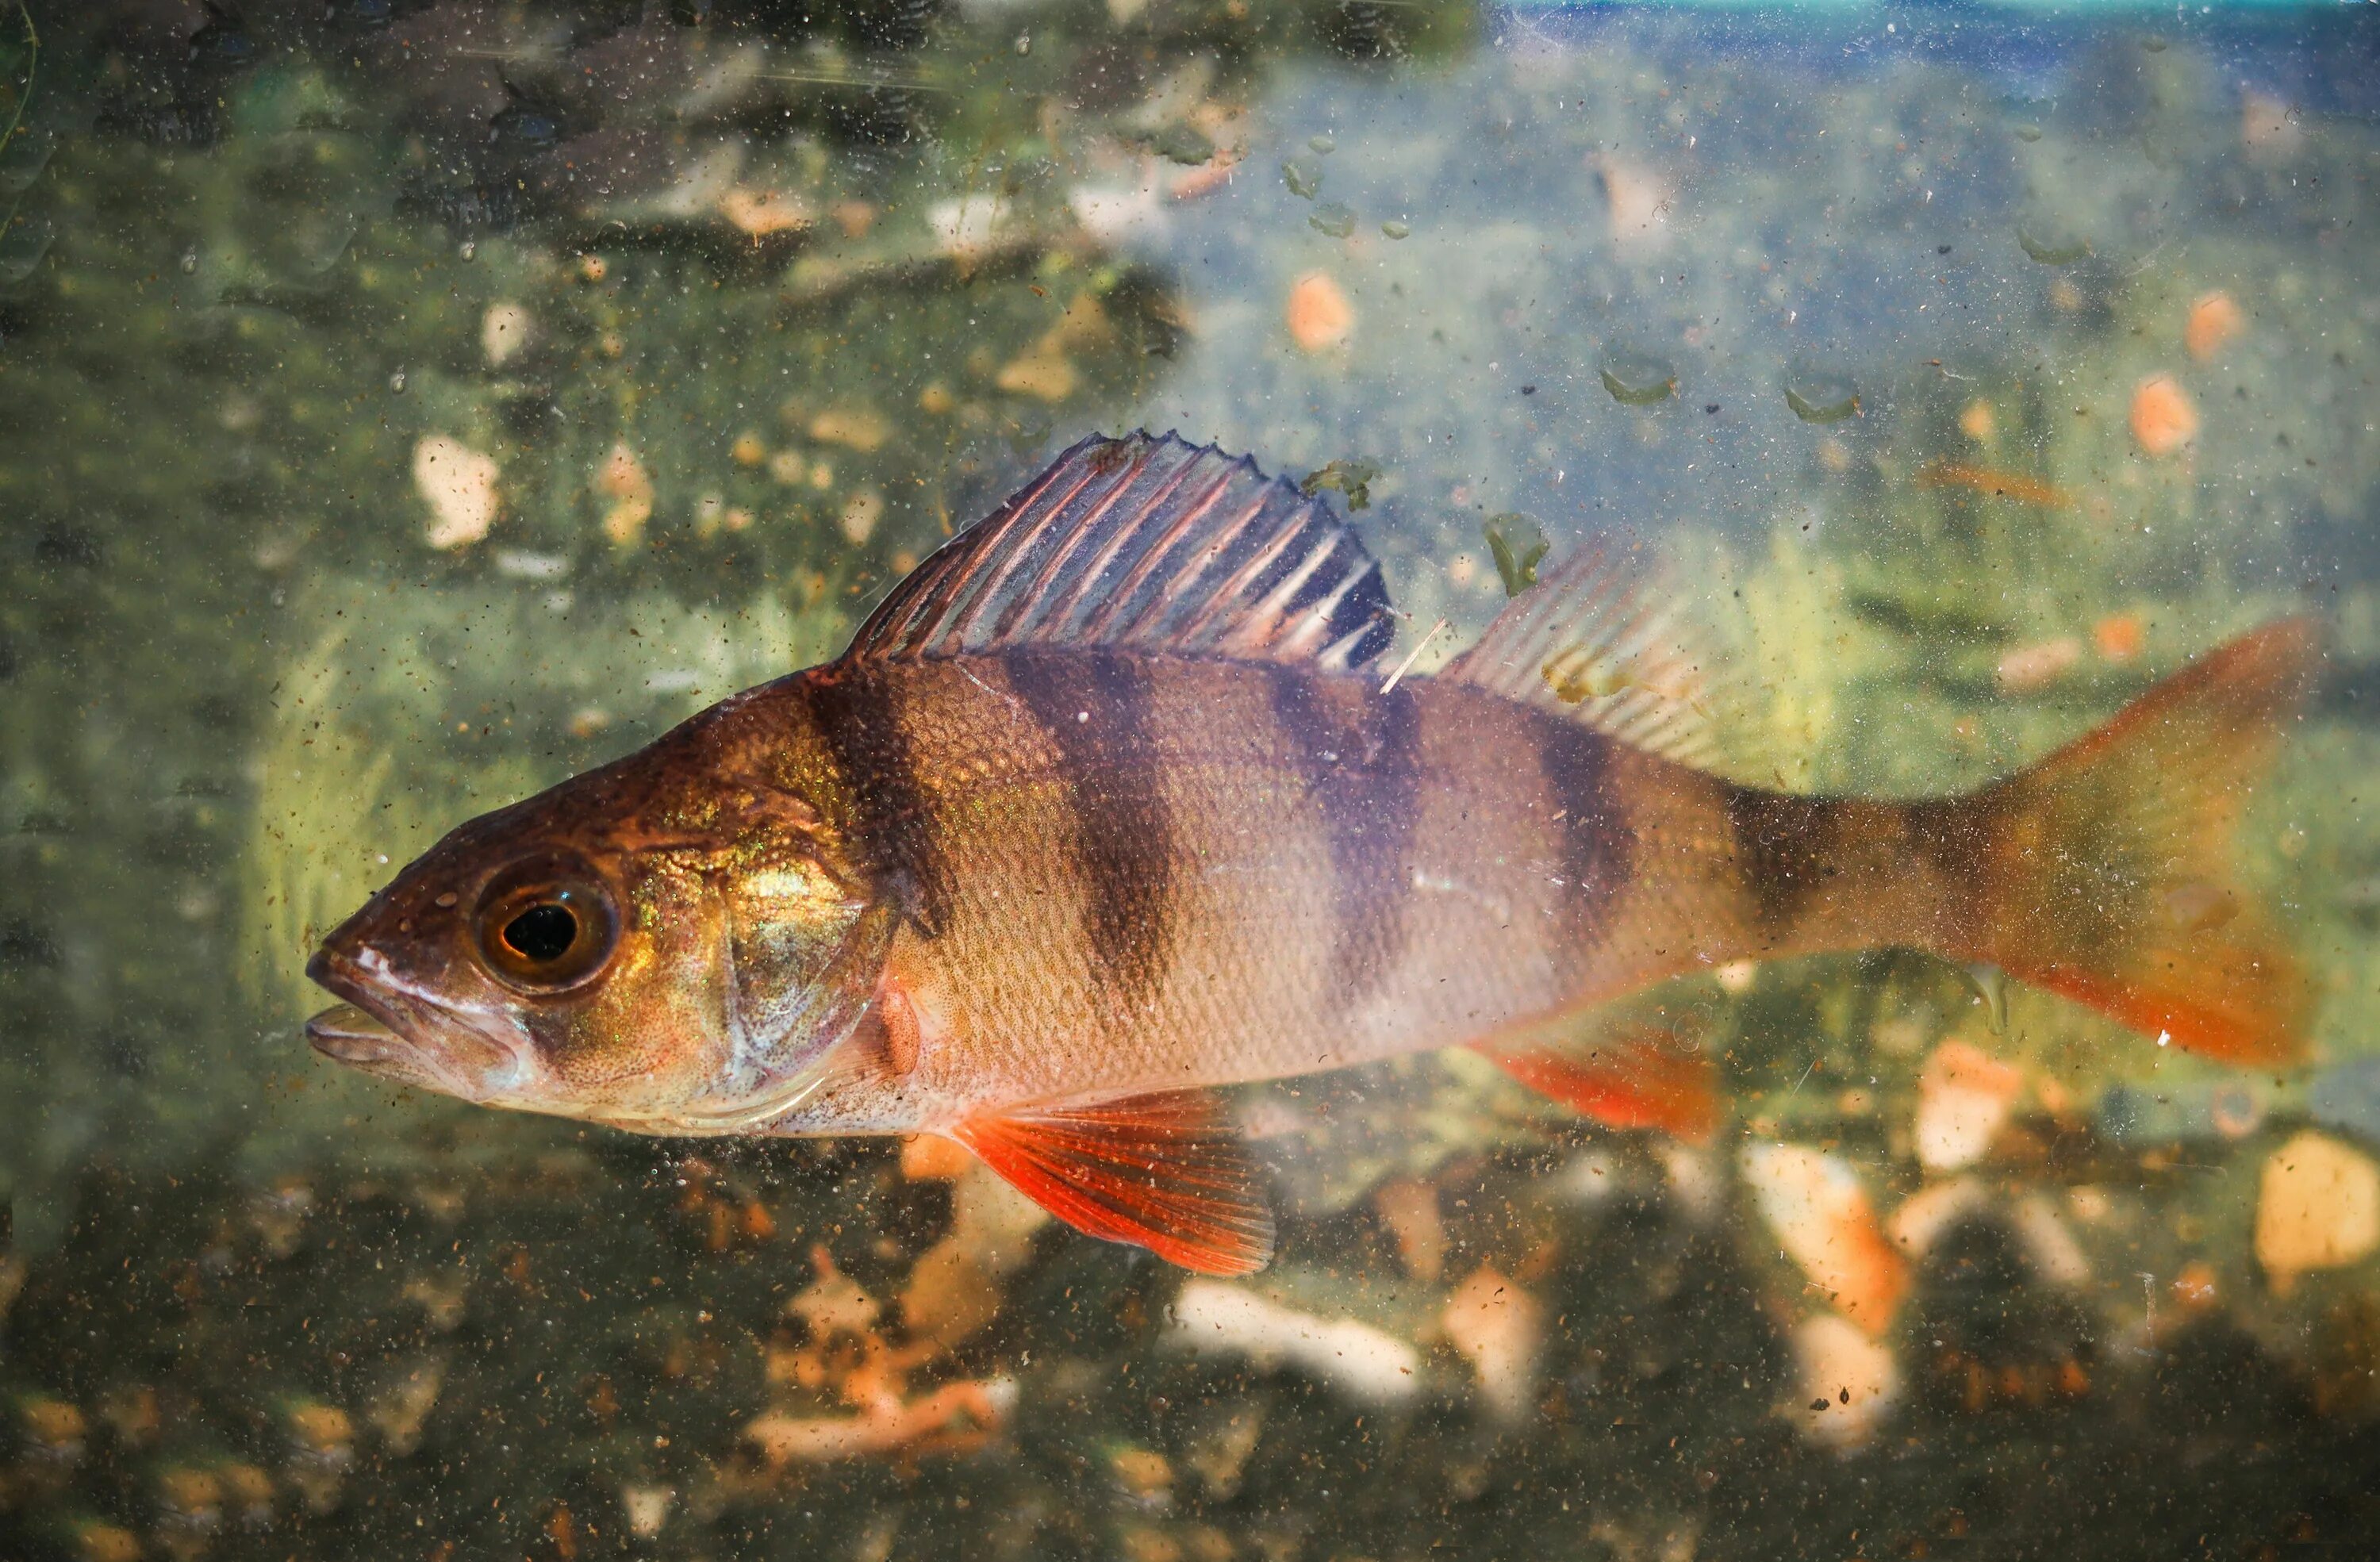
[(545, 928)]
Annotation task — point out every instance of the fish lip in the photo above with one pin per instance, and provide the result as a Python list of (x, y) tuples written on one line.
[(346, 1033), (380, 1034)]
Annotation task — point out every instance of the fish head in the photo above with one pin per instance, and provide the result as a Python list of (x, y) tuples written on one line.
[(653, 945)]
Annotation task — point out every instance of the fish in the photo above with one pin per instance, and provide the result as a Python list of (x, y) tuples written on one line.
[(1107, 809)]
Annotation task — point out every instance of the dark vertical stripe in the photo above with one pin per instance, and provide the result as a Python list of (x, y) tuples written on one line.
[(1784, 846), (1591, 836), (891, 819), (1359, 755), (1094, 707)]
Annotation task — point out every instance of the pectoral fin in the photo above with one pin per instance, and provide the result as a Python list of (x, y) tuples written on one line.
[(1164, 1171), (1622, 1075)]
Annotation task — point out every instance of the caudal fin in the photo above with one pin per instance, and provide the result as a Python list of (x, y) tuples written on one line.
[(2106, 868)]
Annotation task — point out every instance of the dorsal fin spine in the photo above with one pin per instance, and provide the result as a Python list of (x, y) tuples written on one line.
[(1098, 622), (1144, 543), (1030, 613)]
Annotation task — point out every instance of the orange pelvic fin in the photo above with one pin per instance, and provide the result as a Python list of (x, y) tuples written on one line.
[(1165, 1171), (1630, 1076), (2107, 867)]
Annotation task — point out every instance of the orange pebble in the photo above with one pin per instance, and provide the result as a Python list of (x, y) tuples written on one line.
[(929, 1157), (2215, 322), (2164, 418), (1319, 316), (2119, 636)]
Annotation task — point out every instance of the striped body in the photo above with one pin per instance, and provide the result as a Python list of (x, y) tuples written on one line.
[(1129, 871), (1104, 806)]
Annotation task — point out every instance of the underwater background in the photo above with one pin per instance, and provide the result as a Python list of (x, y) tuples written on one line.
[(404, 404)]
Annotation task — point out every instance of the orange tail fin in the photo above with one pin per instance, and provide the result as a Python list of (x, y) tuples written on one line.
[(2105, 868)]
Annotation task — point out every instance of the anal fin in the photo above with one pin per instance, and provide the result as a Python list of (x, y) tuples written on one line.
[(1164, 1171), (1627, 1076)]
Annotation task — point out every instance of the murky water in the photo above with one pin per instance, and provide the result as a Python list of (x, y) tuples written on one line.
[(404, 405)]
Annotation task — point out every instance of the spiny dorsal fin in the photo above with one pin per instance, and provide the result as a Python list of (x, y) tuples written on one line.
[(1603, 639), (1164, 1171), (1146, 542)]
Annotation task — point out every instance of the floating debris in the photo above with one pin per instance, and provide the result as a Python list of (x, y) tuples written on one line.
[(1636, 379), (2318, 1207), (1964, 1096), (2164, 418), (504, 330), (1850, 1381), (2215, 322), (2121, 637), (1333, 219), (1983, 479), (1322, 145), (1396, 227), (1518, 545), (1820, 1213), (760, 214), (1304, 178), (1821, 396), (623, 479), (1638, 201), (1352, 479), (2029, 668), (1500, 1330), (1408, 1208), (2052, 247), (854, 428), (1213, 1317), (459, 485), (1319, 316)]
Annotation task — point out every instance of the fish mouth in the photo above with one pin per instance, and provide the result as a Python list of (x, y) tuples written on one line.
[(397, 1037), (349, 1034)]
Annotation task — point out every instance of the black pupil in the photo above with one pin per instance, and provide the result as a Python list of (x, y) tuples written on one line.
[(542, 932)]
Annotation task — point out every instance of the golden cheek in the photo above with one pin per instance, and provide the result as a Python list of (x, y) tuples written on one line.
[(652, 1022)]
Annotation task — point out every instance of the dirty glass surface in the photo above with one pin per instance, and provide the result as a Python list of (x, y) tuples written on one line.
[(404, 404)]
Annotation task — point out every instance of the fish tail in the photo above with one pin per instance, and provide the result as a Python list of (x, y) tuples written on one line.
[(2104, 872)]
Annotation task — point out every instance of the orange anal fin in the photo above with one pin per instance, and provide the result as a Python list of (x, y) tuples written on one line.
[(1165, 1171), (1637, 1078)]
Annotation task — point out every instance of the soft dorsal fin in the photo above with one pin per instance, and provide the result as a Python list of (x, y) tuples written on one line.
[(1146, 542), (1164, 1171), (1604, 639)]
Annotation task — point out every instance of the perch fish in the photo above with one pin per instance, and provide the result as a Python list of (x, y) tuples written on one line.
[(1106, 808)]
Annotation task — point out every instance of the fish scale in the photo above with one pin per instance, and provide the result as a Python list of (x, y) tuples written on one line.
[(1104, 810)]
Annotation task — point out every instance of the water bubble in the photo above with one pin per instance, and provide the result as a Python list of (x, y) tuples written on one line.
[(1396, 229), (2051, 243), (189, 262), (469, 249), (1637, 379), (1518, 545), (1818, 396), (1304, 179), (1024, 43), (1333, 219), (396, 381), (1322, 145)]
